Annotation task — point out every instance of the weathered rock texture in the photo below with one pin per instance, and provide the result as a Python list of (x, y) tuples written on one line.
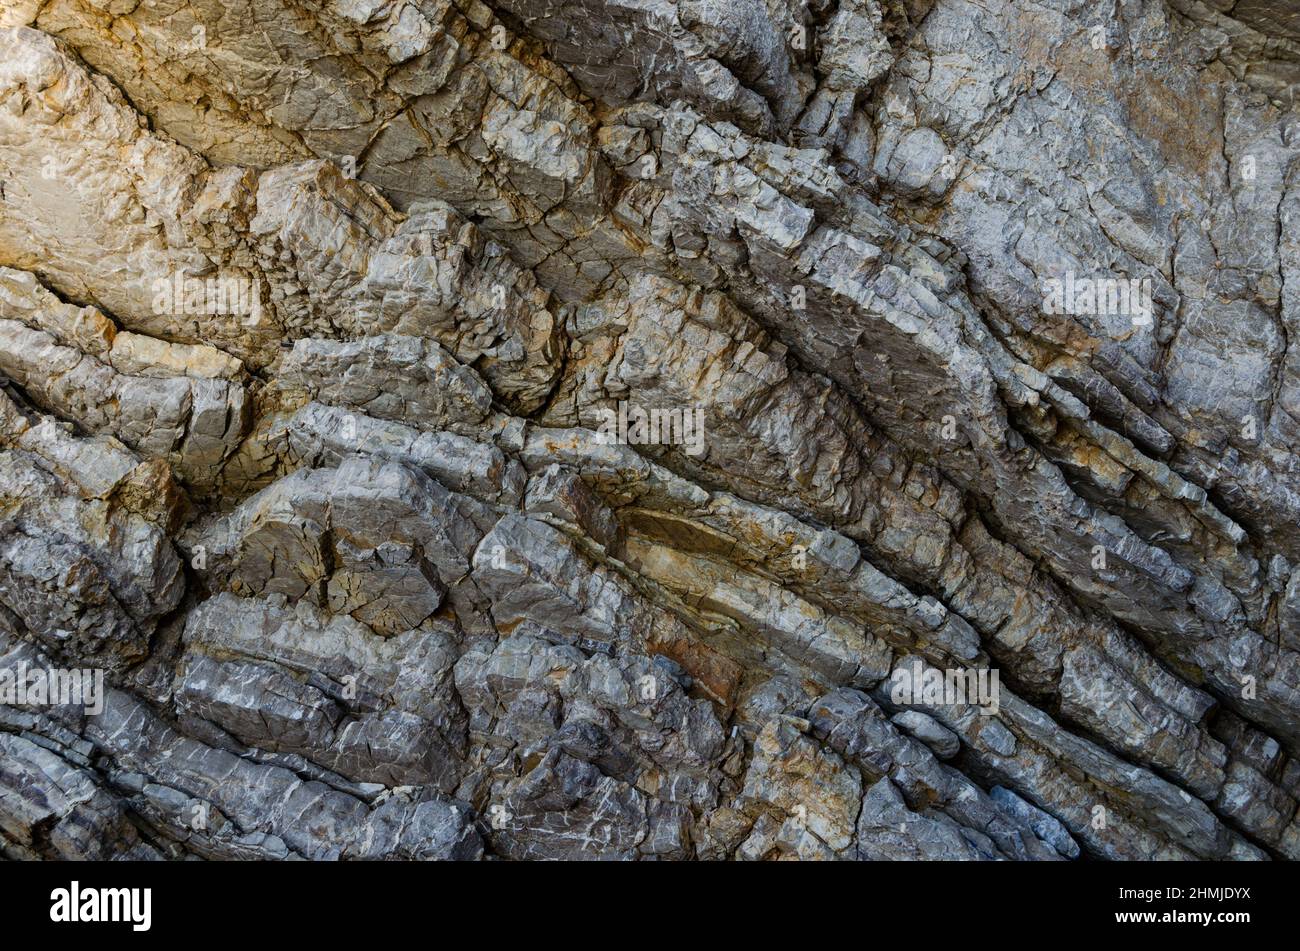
[(320, 322)]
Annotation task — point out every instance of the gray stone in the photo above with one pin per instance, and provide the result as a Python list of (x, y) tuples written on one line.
[(952, 338)]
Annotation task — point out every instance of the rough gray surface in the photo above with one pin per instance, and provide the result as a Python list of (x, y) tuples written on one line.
[(571, 430)]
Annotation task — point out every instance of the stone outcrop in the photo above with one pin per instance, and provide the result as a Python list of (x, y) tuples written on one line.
[(656, 430)]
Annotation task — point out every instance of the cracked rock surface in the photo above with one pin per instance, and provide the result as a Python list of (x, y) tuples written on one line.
[(570, 430)]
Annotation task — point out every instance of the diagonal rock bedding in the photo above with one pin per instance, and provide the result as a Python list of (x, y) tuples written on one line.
[(650, 429)]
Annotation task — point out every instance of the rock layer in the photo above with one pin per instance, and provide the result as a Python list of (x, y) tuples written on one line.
[(650, 430)]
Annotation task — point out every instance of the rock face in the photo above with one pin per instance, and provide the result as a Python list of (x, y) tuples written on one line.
[(667, 429)]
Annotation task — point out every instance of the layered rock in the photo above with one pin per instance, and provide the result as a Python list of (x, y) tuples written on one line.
[(656, 430)]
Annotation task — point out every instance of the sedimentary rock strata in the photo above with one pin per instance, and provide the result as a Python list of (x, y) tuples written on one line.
[(656, 430)]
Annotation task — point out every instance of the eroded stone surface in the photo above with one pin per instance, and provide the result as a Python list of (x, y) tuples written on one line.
[(631, 430)]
